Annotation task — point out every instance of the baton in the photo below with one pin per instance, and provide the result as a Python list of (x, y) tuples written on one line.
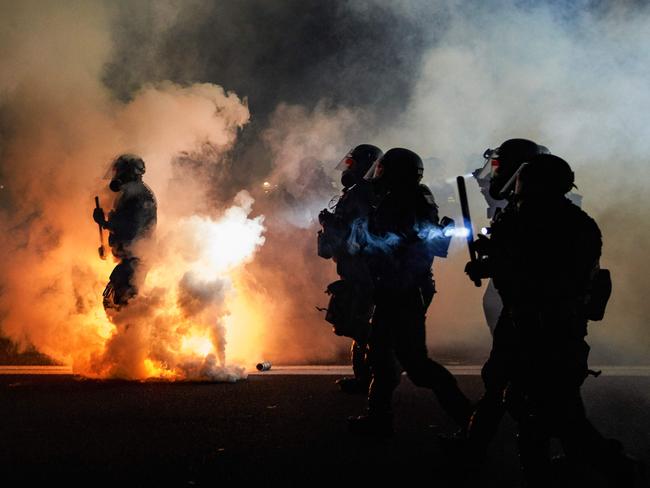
[(467, 221), (100, 250)]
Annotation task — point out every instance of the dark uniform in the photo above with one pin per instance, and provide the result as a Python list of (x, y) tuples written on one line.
[(501, 164), (133, 217), (355, 203), (404, 288), (543, 257)]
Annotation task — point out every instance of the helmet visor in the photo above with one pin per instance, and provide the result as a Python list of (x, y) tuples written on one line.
[(347, 162), (375, 171), (491, 157), (109, 174)]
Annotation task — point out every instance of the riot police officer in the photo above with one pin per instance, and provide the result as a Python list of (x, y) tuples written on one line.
[(546, 282), (132, 218), (402, 238), (355, 202), (496, 181), (500, 165)]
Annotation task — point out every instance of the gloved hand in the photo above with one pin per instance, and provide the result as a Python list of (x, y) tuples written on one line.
[(325, 217), (447, 222), (481, 245), (477, 270), (98, 216)]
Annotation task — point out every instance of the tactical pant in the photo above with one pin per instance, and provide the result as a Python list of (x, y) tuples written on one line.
[(360, 361), (121, 286), (496, 374), (560, 413), (544, 397), (398, 336), (492, 306)]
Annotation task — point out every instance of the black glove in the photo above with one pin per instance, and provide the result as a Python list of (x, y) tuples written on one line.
[(482, 245), (324, 217), (98, 216), (477, 270), (447, 222)]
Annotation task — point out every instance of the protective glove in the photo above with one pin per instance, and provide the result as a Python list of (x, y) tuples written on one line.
[(477, 270), (325, 217), (481, 245), (447, 222), (98, 216)]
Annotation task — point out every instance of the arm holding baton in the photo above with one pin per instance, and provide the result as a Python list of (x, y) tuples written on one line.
[(467, 222), (100, 250)]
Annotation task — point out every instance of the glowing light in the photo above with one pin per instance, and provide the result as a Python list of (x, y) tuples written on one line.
[(457, 232), (222, 245), (155, 369), (197, 345)]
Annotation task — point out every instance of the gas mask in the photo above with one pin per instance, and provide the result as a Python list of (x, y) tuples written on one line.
[(116, 184), (348, 178)]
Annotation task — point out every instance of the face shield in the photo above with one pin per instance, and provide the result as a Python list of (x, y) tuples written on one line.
[(375, 171), (491, 165), (109, 173), (346, 163), (123, 169)]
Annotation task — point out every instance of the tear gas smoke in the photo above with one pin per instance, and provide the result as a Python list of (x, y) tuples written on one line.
[(60, 130), (446, 79)]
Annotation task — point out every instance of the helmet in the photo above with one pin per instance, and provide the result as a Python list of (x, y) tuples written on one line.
[(356, 163), (545, 175), (125, 168), (399, 167), (505, 160)]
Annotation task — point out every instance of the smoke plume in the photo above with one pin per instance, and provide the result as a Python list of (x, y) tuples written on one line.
[(61, 129), (303, 82)]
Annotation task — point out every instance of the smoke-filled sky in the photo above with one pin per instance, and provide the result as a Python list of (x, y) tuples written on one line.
[(219, 97)]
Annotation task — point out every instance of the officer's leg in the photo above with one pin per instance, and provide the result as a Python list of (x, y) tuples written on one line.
[(361, 363), (533, 444), (411, 351), (361, 368), (121, 286), (490, 409), (584, 444), (385, 371), (492, 306), (385, 378)]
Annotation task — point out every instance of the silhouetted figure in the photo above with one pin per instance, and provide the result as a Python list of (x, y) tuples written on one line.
[(543, 257), (402, 238), (496, 181), (500, 165), (497, 184), (355, 202), (133, 217)]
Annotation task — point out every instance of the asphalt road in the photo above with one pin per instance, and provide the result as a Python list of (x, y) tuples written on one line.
[(267, 430)]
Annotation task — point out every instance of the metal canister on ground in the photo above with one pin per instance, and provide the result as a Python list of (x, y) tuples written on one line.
[(263, 366)]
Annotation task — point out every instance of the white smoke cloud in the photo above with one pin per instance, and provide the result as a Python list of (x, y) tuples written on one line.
[(572, 77)]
